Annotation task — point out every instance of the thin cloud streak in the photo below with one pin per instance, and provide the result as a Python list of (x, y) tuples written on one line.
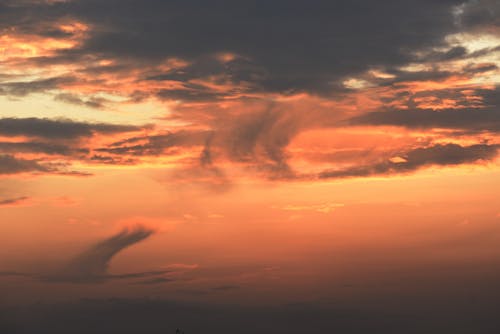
[(436, 155), (58, 128), (92, 265), (14, 201)]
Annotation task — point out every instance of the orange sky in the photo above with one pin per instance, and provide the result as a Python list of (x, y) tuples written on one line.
[(231, 175)]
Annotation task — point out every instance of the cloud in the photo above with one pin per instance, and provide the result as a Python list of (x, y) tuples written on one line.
[(323, 207), (23, 88), (232, 70), (473, 120), (313, 41), (58, 128), (436, 155), (480, 15), (92, 102), (258, 141), (14, 201), (468, 109), (261, 138), (91, 266), (156, 144), (40, 147), (11, 165), (43, 145), (282, 47)]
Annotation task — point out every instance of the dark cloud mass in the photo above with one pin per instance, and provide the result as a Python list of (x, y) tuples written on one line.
[(438, 155), (11, 165), (39, 147), (471, 120), (281, 46), (482, 15), (205, 55), (57, 128), (297, 45)]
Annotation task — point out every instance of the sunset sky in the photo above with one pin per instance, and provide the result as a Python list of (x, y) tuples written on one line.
[(249, 166)]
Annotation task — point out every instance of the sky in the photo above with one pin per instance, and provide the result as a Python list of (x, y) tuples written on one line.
[(249, 166)]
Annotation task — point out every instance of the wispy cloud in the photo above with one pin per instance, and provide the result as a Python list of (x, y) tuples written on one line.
[(322, 207), (16, 201), (436, 155), (92, 265)]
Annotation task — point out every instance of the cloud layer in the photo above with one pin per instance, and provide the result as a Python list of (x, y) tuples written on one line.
[(240, 81)]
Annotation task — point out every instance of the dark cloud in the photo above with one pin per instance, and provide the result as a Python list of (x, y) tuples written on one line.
[(451, 54), (13, 201), (111, 160), (473, 120), (91, 266), (262, 138), (480, 15), (35, 86), (74, 173), (437, 155), (484, 51), (40, 147), (156, 144), (208, 168), (480, 68), (256, 140), (281, 46), (286, 46), (93, 102), (58, 128), (12, 165), (296, 46), (400, 78)]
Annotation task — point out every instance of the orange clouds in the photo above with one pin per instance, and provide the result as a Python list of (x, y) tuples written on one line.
[(225, 111), (18, 48)]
